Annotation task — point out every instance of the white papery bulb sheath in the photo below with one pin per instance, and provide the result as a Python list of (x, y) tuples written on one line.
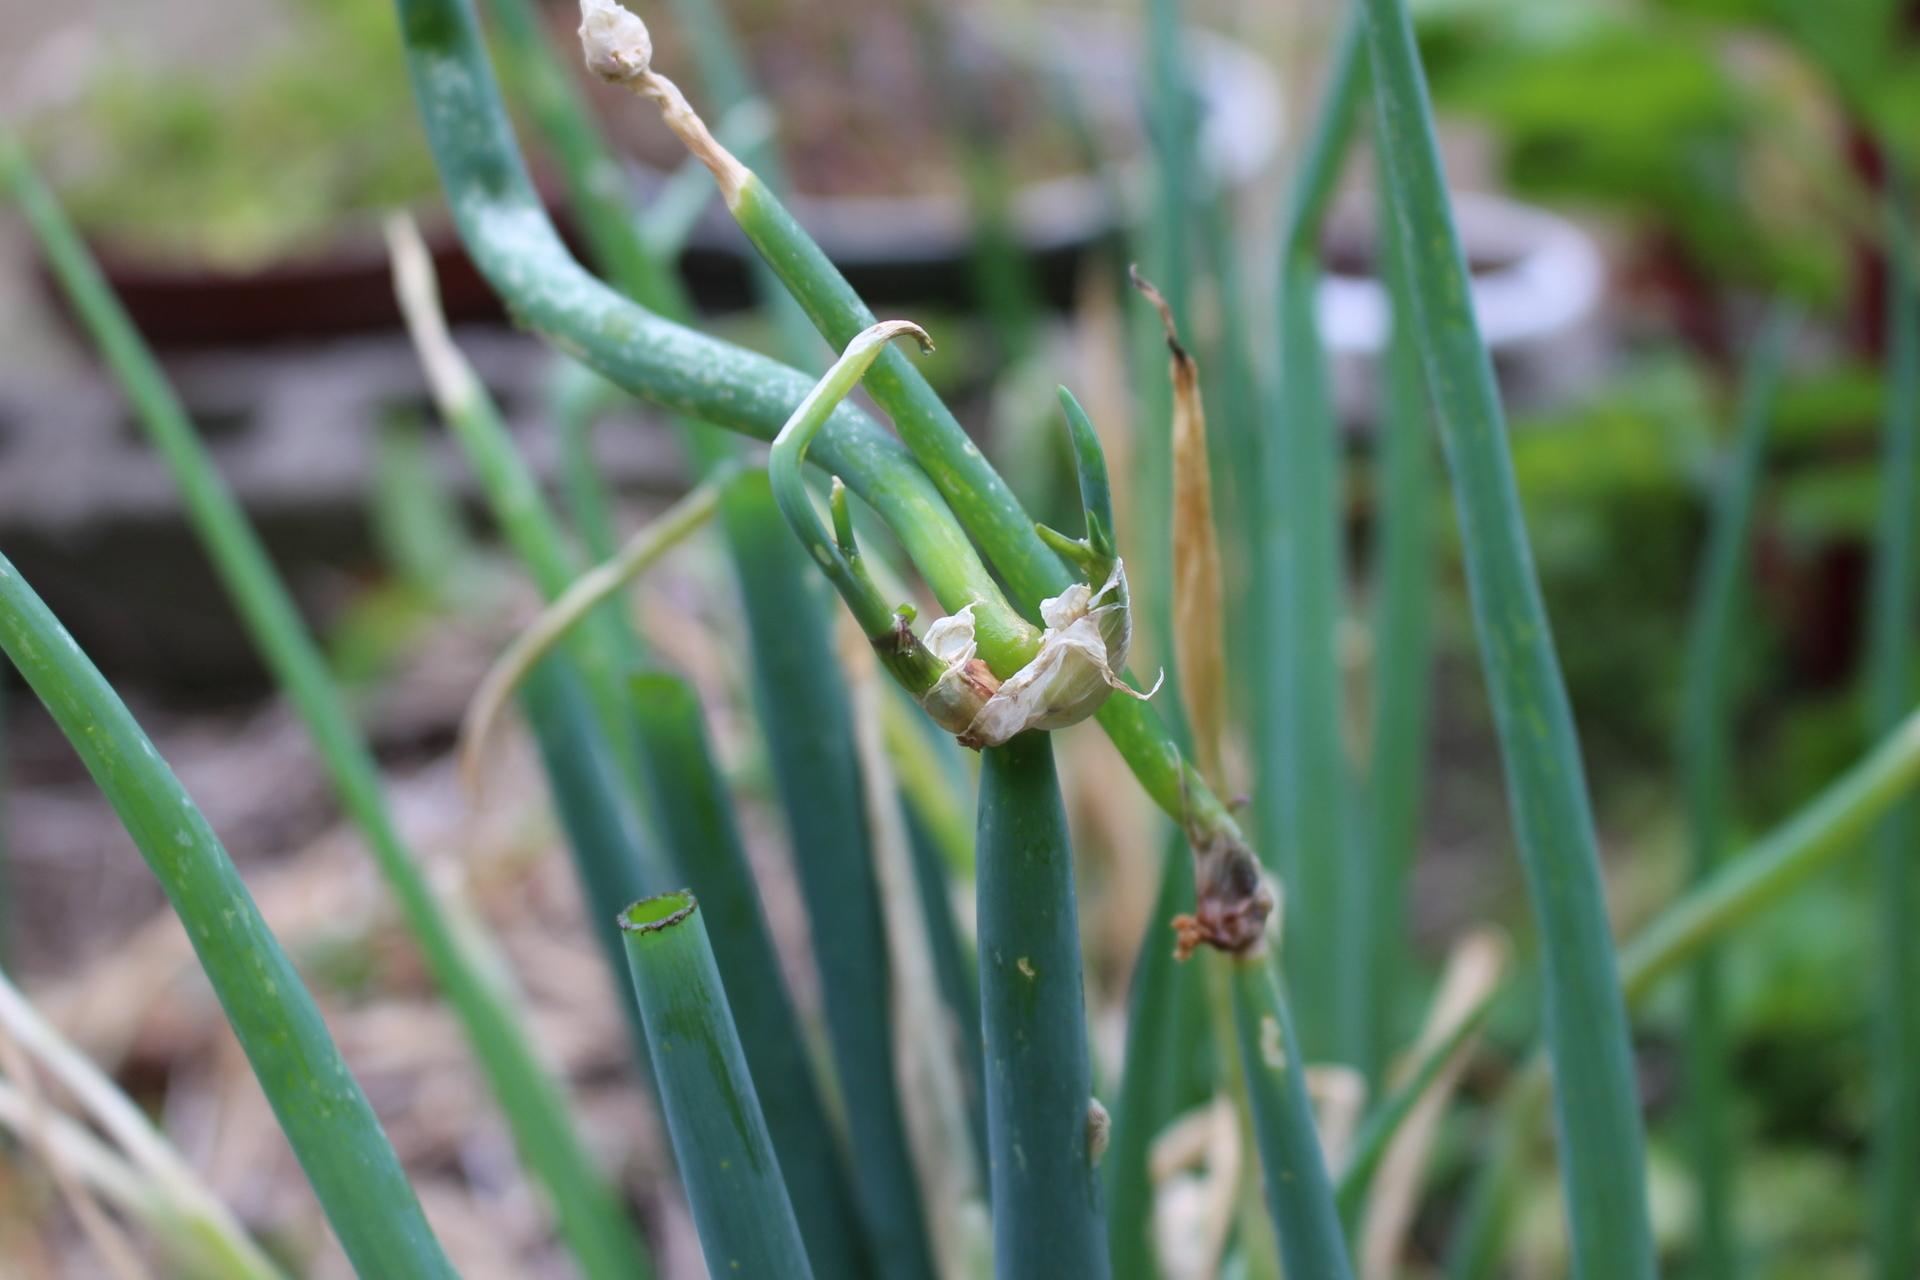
[(1082, 653), (615, 42)]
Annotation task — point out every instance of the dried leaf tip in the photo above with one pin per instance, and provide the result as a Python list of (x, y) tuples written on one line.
[(1199, 647), (615, 41), (1159, 301)]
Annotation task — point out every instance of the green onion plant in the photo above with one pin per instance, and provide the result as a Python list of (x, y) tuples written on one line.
[(949, 1119)]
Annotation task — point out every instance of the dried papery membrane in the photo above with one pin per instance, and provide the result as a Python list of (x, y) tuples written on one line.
[(1232, 896), (966, 685), (617, 45), (1082, 653), (619, 50)]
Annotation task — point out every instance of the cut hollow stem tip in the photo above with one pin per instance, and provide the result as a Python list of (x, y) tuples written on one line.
[(592, 589), (733, 1181)]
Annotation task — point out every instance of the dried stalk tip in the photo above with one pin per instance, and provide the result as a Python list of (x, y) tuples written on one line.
[(619, 51), (1232, 899), (616, 43), (1159, 301)]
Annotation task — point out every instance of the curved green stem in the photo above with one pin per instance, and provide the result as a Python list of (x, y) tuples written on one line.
[(1824, 829), (585, 594), (837, 556), (514, 244)]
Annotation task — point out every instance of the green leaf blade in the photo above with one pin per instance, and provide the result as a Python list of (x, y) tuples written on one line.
[(1047, 1215), (333, 1131), (696, 820), (733, 1178), (1597, 1098)]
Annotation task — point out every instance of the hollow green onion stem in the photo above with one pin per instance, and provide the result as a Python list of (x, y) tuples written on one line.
[(739, 1203), (333, 1132), (1047, 1217), (1305, 786), (590, 1218), (1704, 741), (1596, 1096), (515, 246), (1894, 1189), (696, 818), (1299, 1192)]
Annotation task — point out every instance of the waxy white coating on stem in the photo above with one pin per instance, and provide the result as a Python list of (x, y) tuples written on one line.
[(619, 51)]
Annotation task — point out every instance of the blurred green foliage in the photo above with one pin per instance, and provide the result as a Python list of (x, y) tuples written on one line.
[(265, 161), (1730, 130)]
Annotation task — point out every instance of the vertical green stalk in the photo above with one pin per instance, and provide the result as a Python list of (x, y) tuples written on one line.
[(1305, 783), (1046, 1193), (802, 699), (1602, 1147), (801, 702), (1705, 736), (1166, 1013), (1894, 1142), (611, 858), (590, 1217), (1402, 645), (1299, 1192), (696, 818), (955, 970), (332, 1130), (727, 1160), (575, 399)]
